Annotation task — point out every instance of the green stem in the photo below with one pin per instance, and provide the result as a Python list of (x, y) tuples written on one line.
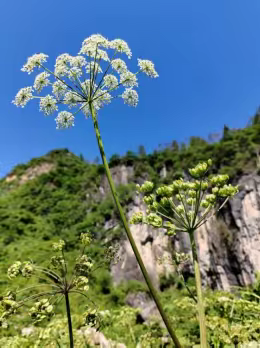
[(128, 232), (69, 319), (200, 303)]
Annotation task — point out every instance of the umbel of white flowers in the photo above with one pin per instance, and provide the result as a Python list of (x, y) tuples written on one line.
[(81, 81), (184, 205)]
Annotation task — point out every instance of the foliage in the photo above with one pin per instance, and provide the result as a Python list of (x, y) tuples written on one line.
[(66, 201)]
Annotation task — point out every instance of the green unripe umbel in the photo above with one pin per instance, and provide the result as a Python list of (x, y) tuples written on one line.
[(147, 187), (154, 220)]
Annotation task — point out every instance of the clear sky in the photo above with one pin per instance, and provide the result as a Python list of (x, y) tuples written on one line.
[(207, 54)]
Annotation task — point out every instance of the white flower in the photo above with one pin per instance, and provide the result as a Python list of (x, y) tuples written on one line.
[(128, 79), (103, 97), (96, 39), (74, 72), (62, 64), (93, 65), (121, 46), (48, 105), (65, 119), (110, 81), (119, 65), (86, 87), (23, 96), (59, 89), (61, 70), (72, 99), (130, 97), (86, 110), (78, 61), (63, 59), (34, 61), (41, 81), (94, 52), (147, 67)]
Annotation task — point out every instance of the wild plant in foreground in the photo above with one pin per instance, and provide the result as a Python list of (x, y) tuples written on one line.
[(56, 284), (87, 85), (184, 206)]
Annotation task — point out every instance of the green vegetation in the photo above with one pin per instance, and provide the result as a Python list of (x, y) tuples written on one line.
[(67, 201)]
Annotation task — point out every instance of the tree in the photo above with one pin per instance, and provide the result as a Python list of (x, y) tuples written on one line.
[(256, 119), (226, 133), (175, 146), (197, 141), (141, 150)]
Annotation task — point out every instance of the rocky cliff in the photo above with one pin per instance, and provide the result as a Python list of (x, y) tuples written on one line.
[(229, 244)]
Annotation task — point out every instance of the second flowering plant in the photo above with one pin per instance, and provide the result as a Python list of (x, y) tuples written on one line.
[(184, 206)]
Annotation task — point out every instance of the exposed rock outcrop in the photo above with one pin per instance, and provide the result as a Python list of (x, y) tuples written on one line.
[(229, 244)]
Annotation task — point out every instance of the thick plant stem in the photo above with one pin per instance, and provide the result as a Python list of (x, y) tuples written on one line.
[(200, 303), (128, 232), (69, 319)]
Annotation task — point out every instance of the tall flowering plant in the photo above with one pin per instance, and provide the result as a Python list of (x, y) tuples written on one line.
[(184, 206), (58, 281), (87, 82)]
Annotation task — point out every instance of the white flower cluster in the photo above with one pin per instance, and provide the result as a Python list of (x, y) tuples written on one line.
[(110, 81), (121, 46), (72, 99), (41, 81), (130, 97), (83, 92), (48, 105), (64, 120), (90, 47), (147, 67), (23, 96), (119, 66), (59, 89), (129, 79), (34, 61), (62, 64), (93, 67)]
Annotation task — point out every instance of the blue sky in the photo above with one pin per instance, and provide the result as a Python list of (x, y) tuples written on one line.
[(207, 54)]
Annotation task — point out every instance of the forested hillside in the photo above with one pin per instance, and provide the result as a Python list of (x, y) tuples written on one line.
[(61, 195)]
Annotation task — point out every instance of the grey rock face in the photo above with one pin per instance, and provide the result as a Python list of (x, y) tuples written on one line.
[(229, 243)]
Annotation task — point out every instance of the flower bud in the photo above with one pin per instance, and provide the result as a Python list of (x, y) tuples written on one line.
[(147, 187), (215, 190), (211, 198), (85, 239), (204, 203), (27, 270), (165, 202), (180, 209), (14, 270), (190, 201), (228, 190), (58, 246), (199, 170), (192, 193), (204, 185), (137, 218), (154, 220), (149, 199), (219, 180), (165, 191), (171, 228)]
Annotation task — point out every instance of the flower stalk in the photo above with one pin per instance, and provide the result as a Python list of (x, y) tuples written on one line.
[(128, 232), (200, 302), (66, 295)]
